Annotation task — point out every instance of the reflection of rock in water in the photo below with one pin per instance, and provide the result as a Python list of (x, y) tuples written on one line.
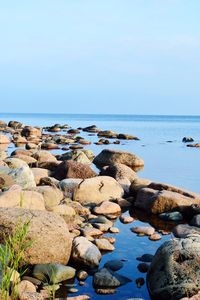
[(153, 220)]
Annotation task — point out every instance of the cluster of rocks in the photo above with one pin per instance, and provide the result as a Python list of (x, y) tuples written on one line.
[(70, 206)]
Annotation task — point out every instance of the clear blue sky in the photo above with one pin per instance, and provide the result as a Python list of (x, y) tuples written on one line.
[(100, 56)]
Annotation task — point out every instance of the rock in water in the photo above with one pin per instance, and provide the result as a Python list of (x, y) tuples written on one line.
[(53, 273), (110, 157), (85, 252), (47, 232), (174, 272)]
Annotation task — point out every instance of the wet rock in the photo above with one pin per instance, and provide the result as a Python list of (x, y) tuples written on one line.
[(195, 221), (82, 275), (197, 145), (187, 139), (140, 282), (108, 134), (126, 219), (145, 258), (104, 244), (110, 157), (175, 216), (155, 237), (97, 190), (184, 230), (105, 278), (114, 230), (46, 230), (143, 267), (53, 273), (122, 136), (72, 169), (114, 265), (91, 231), (92, 128), (107, 208), (145, 230), (49, 146), (29, 132), (174, 271), (85, 252)]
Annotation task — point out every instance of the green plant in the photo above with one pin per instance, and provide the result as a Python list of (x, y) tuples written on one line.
[(11, 259)]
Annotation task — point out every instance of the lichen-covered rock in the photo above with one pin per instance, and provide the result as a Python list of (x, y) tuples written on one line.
[(174, 272), (53, 273)]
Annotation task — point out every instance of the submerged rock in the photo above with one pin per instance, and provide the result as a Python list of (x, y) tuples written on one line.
[(105, 278)]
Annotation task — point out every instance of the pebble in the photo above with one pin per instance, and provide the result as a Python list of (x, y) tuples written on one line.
[(140, 282), (155, 237), (105, 291), (114, 230), (145, 230), (126, 219), (82, 275)]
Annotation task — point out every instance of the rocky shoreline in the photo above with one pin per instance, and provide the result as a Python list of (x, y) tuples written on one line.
[(70, 206)]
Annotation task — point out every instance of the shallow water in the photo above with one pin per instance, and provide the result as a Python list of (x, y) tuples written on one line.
[(171, 162)]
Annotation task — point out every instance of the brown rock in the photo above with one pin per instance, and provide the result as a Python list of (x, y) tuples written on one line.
[(4, 139), (107, 208)]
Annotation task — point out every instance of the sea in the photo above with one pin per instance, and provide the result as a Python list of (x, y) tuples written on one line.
[(166, 159)]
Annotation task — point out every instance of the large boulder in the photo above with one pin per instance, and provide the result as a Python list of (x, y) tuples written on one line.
[(69, 185), (47, 232), (110, 157), (85, 252), (76, 155), (39, 173), (15, 162), (15, 197), (73, 169), (29, 131), (159, 198), (98, 189), (43, 156), (174, 272)]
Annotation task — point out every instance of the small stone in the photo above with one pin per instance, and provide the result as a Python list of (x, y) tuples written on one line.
[(126, 219), (145, 258), (72, 290), (155, 237), (82, 275), (146, 230), (140, 282), (105, 291), (104, 244), (114, 265), (114, 230), (143, 267)]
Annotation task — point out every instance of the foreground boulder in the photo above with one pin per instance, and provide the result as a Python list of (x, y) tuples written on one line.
[(22, 176), (98, 189), (4, 139), (174, 272), (110, 157), (73, 169), (47, 232), (85, 252), (158, 198)]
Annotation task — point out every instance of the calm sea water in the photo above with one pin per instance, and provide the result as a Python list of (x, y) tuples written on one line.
[(166, 159)]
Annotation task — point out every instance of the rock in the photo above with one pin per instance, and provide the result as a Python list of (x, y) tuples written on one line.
[(104, 244), (145, 258), (91, 231), (139, 282), (22, 176), (3, 155), (105, 291), (43, 156), (72, 169), (79, 209), (28, 159), (108, 134), (82, 275), (123, 136), (101, 220), (17, 198), (15, 124), (20, 140), (6, 181), (84, 252), (98, 189), (29, 131), (160, 198), (52, 196), (15, 163), (126, 219), (48, 233), (145, 230), (107, 208), (4, 139), (137, 184), (175, 216), (155, 237), (187, 139), (25, 286), (196, 145), (76, 155), (49, 181), (174, 272), (92, 128), (114, 265), (110, 157), (49, 146), (31, 296), (69, 186), (143, 267), (105, 278), (21, 152), (114, 230), (184, 230), (81, 297), (64, 210), (53, 273), (30, 146), (195, 221), (39, 173)]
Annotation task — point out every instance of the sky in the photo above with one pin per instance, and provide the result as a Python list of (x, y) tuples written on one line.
[(100, 56)]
